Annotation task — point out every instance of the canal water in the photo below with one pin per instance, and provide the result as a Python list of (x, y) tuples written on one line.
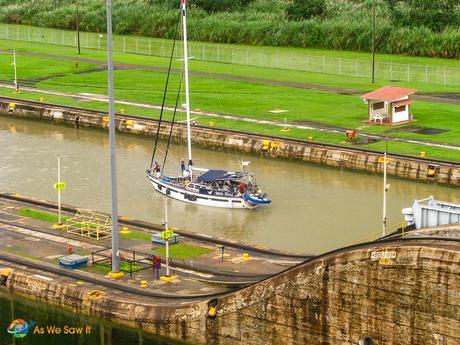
[(314, 208), (47, 319)]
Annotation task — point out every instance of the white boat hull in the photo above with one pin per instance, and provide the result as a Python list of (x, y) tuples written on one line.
[(197, 198)]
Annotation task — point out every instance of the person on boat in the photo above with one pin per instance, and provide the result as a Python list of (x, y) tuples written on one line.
[(157, 170), (241, 188), (182, 166)]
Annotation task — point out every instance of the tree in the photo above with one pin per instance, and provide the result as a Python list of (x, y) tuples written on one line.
[(433, 14), (305, 9)]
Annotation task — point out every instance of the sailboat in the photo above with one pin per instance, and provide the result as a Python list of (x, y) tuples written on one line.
[(200, 186)]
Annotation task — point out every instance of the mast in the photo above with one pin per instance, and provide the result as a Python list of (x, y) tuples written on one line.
[(187, 95)]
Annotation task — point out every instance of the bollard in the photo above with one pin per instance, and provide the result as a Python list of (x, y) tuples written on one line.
[(245, 256), (42, 99), (144, 284), (122, 110), (69, 248), (125, 230), (310, 138), (423, 154), (211, 123)]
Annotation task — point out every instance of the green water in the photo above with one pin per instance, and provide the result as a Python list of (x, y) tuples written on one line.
[(101, 332)]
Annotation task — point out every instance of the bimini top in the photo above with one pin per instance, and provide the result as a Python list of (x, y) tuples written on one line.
[(213, 175)]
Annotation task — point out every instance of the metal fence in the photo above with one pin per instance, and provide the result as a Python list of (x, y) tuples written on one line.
[(232, 54)]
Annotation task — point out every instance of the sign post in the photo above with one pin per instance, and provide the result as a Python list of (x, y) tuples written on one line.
[(222, 249), (166, 235), (59, 186)]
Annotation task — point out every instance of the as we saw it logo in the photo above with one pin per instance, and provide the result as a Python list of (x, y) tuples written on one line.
[(18, 328)]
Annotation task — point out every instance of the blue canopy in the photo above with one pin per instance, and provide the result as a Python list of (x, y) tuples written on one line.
[(213, 175)]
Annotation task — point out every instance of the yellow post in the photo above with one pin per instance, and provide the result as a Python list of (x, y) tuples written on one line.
[(423, 154)]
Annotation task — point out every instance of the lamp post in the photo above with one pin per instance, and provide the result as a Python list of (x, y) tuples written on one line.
[(16, 86), (385, 190), (113, 164), (373, 41), (77, 24)]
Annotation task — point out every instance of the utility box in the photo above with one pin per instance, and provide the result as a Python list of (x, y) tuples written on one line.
[(156, 239)]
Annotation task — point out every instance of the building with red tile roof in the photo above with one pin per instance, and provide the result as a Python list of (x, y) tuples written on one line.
[(389, 105)]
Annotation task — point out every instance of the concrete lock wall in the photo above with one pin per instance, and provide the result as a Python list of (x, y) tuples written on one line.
[(391, 293), (404, 167)]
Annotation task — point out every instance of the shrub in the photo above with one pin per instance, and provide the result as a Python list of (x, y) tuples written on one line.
[(305, 9), (220, 5)]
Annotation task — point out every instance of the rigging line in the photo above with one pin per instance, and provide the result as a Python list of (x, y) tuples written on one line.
[(172, 124), (165, 91)]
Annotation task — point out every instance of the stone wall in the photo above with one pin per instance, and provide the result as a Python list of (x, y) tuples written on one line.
[(400, 292), (412, 297), (409, 168)]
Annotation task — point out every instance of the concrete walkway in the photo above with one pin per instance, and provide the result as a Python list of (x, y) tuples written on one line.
[(290, 125)]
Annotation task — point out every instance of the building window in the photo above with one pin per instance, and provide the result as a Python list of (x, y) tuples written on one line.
[(379, 105), (399, 109)]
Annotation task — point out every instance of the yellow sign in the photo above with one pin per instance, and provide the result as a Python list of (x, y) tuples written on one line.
[(382, 160), (167, 234), (59, 186)]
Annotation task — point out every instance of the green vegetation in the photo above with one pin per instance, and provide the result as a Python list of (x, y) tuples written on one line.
[(412, 27), (251, 100), (231, 93), (255, 72), (105, 268), (183, 251), (135, 235), (44, 216), (31, 68)]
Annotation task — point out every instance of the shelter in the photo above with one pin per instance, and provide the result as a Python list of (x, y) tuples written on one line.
[(389, 105)]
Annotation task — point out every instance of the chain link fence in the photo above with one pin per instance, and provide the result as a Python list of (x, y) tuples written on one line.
[(249, 56)]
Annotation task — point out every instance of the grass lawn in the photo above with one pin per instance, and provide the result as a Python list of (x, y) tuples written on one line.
[(44, 216), (359, 83), (182, 251), (236, 97), (105, 268), (137, 236), (415, 149), (222, 96), (35, 67), (320, 137), (256, 100)]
